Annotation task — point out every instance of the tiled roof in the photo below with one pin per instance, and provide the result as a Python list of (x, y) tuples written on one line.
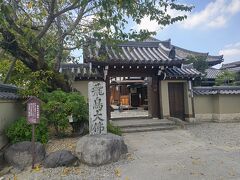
[(234, 66), (130, 52), (8, 92), (81, 71), (9, 96), (184, 53), (8, 88), (184, 71), (214, 60), (216, 90), (151, 51), (212, 73)]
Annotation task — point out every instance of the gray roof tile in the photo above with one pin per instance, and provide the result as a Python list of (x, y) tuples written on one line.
[(234, 66), (130, 52), (81, 71), (184, 72), (8, 92), (9, 96), (148, 51), (216, 90), (212, 73)]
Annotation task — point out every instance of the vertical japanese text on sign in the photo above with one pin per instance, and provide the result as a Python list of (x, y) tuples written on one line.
[(97, 108)]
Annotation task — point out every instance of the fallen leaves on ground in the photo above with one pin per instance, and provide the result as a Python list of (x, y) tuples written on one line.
[(37, 168), (196, 173), (66, 171), (130, 157), (117, 172)]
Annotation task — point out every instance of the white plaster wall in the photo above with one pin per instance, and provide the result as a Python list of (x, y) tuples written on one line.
[(9, 112)]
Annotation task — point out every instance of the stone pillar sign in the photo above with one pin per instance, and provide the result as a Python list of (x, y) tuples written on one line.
[(97, 108)]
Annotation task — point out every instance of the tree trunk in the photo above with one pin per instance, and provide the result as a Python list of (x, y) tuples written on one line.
[(33, 62), (10, 71)]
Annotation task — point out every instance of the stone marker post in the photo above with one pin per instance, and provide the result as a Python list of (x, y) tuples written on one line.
[(97, 108)]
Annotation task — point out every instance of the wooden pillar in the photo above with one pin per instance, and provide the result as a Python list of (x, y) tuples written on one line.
[(108, 95), (155, 97), (149, 95), (160, 99)]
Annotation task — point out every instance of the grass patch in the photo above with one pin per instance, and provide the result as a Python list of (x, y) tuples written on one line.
[(114, 129)]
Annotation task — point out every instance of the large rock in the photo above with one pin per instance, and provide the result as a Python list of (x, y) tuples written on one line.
[(100, 149), (60, 158), (19, 155)]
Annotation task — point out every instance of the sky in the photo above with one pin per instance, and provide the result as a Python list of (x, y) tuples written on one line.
[(213, 26)]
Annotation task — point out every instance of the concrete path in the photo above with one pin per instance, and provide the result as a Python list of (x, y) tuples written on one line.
[(178, 155)]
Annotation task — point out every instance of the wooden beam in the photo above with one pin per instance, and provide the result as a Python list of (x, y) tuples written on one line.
[(141, 72)]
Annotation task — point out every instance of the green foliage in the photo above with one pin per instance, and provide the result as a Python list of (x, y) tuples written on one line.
[(45, 31), (20, 130), (226, 78), (59, 105), (42, 34), (30, 83), (113, 129), (237, 79), (199, 62)]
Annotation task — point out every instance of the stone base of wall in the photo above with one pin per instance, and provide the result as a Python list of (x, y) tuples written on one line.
[(203, 117), (191, 120), (234, 117)]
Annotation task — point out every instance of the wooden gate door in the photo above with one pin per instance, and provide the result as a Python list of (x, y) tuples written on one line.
[(176, 100)]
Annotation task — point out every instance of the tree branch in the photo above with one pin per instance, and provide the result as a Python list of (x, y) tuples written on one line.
[(10, 71), (76, 22), (69, 8), (10, 44), (50, 19), (70, 48)]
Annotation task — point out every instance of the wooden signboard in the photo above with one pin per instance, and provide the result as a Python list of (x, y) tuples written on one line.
[(33, 110), (33, 118)]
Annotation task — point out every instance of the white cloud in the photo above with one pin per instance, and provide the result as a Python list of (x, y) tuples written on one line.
[(149, 25), (216, 14), (231, 52)]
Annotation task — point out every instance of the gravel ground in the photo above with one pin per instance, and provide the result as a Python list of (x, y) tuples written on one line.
[(201, 151), (61, 144), (81, 172), (223, 134)]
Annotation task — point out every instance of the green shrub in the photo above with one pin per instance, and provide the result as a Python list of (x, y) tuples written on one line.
[(113, 129), (20, 130), (59, 105)]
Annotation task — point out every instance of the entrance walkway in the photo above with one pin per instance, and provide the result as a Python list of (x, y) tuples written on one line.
[(140, 112), (143, 125)]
